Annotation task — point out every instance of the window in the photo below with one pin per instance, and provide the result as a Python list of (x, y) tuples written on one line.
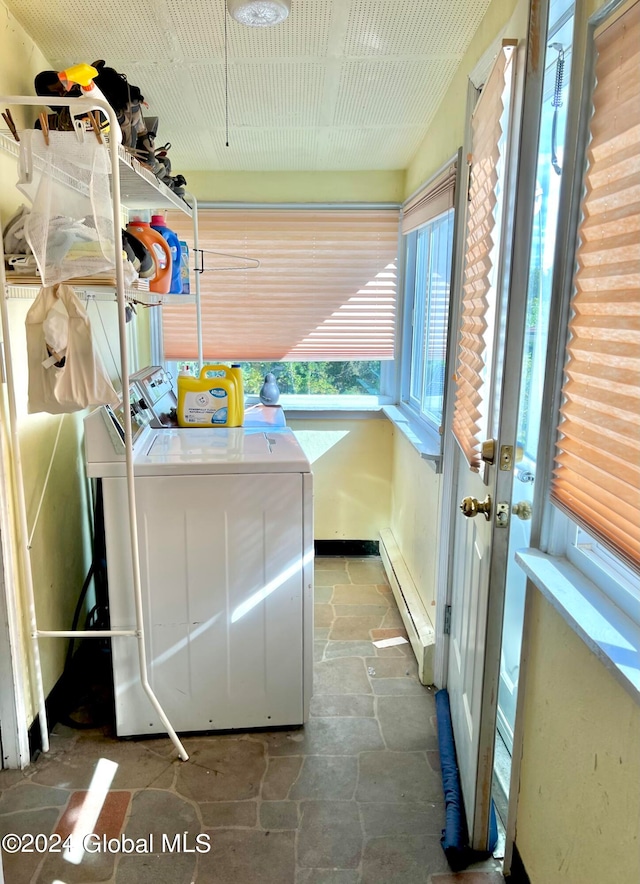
[(357, 378), (605, 570), (596, 477), (318, 311), (551, 142), (429, 251), (428, 227), (593, 519)]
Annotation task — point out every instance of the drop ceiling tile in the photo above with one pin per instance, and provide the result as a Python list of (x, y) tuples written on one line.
[(304, 34), (197, 150), (345, 84), (276, 94), (403, 93), (411, 27), (198, 28), (385, 148), (266, 149), (169, 91), (199, 31), (68, 32)]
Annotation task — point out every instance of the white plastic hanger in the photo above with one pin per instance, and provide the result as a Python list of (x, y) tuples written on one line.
[(249, 263)]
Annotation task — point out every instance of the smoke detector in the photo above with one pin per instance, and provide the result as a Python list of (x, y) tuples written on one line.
[(259, 13)]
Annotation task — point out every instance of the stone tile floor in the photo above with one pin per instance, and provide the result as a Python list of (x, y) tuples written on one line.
[(354, 797)]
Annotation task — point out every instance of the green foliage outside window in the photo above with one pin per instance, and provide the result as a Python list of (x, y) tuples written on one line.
[(313, 378)]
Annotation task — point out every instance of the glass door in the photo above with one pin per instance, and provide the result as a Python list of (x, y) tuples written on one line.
[(549, 172)]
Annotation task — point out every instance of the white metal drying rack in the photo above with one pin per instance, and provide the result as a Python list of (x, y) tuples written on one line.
[(139, 183)]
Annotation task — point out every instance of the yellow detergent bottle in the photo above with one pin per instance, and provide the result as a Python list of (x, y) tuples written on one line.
[(210, 400), (237, 372)]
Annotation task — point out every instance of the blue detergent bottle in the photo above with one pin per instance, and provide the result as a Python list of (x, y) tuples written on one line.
[(158, 223)]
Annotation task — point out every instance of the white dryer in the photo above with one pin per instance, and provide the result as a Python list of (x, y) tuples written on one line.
[(226, 557)]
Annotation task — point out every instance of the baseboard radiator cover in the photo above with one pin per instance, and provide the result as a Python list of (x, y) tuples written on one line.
[(414, 615)]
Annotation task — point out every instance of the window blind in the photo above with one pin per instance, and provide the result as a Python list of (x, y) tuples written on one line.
[(597, 465), (325, 288), (433, 200), (473, 369)]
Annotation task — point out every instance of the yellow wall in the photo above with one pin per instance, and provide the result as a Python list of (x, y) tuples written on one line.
[(415, 516), (297, 187), (351, 463), (579, 805)]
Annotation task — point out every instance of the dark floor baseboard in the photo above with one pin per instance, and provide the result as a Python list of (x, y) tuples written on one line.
[(518, 874), (355, 548)]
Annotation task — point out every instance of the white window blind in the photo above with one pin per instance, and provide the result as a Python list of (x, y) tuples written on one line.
[(433, 200), (597, 466), (479, 295), (325, 288)]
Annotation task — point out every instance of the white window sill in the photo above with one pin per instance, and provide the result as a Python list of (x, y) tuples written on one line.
[(612, 636), (426, 442), (310, 407), (301, 407)]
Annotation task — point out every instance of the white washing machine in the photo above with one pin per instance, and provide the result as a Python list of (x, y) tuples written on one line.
[(226, 557)]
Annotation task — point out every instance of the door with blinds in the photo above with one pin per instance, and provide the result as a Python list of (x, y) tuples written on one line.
[(478, 384)]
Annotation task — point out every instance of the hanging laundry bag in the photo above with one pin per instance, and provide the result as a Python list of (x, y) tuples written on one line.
[(70, 225), (65, 370)]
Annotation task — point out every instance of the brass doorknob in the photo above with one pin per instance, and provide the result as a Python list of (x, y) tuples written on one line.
[(471, 507)]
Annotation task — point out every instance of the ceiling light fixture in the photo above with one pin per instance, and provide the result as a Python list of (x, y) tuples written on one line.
[(259, 13)]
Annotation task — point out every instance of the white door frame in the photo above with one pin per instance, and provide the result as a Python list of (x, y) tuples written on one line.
[(518, 269)]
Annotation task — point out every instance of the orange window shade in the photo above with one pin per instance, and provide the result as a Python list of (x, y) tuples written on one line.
[(597, 466), (433, 200), (479, 293), (325, 288)]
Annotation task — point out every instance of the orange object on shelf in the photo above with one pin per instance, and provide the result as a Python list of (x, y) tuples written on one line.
[(160, 282)]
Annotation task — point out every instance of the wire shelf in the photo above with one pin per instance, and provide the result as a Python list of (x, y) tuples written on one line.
[(140, 189), (26, 288)]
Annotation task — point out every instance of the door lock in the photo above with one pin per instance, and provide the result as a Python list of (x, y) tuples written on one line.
[(522, 510), (506, 457), (488, 451), (471, 507)]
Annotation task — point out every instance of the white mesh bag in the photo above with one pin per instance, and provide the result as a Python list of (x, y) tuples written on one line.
[(70, 226), (75, 378)]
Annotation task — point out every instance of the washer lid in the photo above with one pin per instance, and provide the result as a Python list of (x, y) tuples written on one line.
[(221, 450)]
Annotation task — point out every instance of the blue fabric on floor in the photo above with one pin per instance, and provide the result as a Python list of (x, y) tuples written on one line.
[(455, 837)]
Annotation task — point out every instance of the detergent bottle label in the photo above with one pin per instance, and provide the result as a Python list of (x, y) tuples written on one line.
[(204, 407), (160, 255)]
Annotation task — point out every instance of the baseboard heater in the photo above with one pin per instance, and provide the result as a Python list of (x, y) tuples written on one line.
[(412, 610)]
